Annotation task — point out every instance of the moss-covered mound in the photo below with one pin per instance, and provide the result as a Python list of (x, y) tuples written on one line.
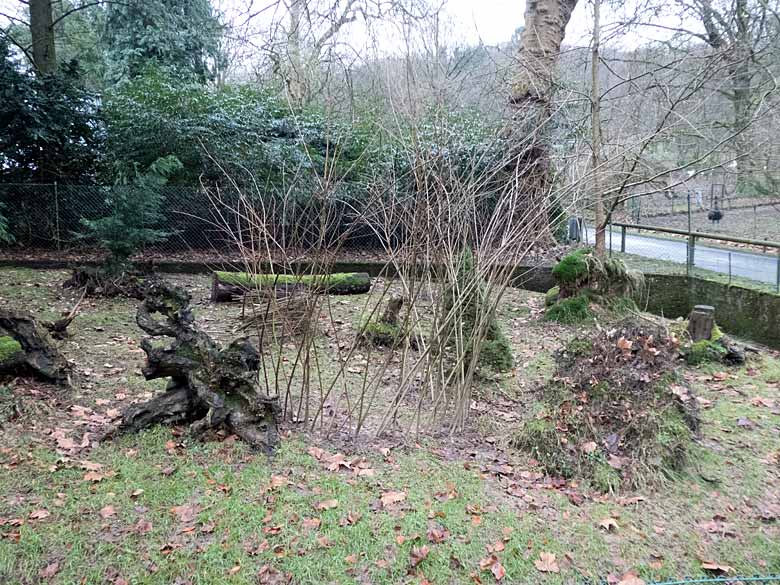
[(615, 413), (584, 279)]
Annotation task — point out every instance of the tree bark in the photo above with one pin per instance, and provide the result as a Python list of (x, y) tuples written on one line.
[(532, 89), (42, 33), (595, 122)]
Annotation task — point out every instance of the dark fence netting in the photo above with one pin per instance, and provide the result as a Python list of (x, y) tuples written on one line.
[(53, 216)]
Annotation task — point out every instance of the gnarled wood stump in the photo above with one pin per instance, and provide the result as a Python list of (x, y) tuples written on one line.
[(210, 386), (25, 347)]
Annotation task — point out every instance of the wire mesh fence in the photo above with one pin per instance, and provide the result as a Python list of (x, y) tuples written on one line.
[(53, 218)]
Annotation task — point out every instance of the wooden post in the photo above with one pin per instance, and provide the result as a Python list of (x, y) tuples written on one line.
[(701, 321)]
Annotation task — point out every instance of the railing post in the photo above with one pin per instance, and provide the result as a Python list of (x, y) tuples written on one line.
[(778, 271), (691, 253), (623, 239)]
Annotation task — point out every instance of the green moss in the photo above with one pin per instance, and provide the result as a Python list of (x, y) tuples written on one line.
[(603, 476), (622, 305), (378, 333), (704, 351), (551, 297), (541, 440), (497, 354), (571, 310), (674, 440), (9, 347), (495, 350), (579, 346), (572, 268), (336, 279)]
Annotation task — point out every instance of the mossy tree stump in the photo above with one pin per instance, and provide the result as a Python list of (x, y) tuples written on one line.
[(210, 387), (25, 347), (700, 322)]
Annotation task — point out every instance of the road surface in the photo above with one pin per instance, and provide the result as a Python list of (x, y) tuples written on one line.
[(760, 267)]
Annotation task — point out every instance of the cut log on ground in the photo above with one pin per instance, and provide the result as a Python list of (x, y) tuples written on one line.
[(210, 387), (26, 348), (231, 286)]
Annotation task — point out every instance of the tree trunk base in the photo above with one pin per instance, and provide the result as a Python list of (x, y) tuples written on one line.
[(26, 348), (211, 387)]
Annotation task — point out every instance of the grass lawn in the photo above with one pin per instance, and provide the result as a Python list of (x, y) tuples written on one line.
[(159, 508)]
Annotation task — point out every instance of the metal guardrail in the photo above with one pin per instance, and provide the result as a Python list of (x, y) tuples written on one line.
[(700, 235), (761, 267)]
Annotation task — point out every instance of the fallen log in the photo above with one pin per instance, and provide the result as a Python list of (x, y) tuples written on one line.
[(26, 348), (231, 286), (210, 386)]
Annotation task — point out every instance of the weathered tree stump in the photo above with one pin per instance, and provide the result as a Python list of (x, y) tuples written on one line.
[(700, 322), (387, 331), (210, 387), (26, 348), (231, 286)]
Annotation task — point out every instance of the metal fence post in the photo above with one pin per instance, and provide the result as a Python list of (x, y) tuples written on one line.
[(729, 267), (778, 271), (691, 253), (623, 239), (57, 214)]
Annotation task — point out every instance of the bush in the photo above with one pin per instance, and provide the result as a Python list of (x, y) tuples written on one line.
[(136, 218), (467, 297)]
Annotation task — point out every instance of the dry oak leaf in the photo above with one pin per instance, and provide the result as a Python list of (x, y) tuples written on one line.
[(186, 513), (327, 504), (107, 511), (49, 570), (708, 565), (437, 533), (39, 514), (390, 498), (546, 563), (630, 578), (608, 524), (493, 565), (418, 554)]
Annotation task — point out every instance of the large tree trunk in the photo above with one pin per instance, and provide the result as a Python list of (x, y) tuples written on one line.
[(540, 44), (42, 32), (595, 124), (210, 386)]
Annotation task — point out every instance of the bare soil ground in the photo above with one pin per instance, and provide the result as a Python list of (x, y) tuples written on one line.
[(159, 508)]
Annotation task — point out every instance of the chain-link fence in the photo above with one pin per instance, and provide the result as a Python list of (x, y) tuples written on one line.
[(52, 218)]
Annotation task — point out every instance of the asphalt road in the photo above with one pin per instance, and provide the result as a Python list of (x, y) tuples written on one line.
[(760, 267)]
